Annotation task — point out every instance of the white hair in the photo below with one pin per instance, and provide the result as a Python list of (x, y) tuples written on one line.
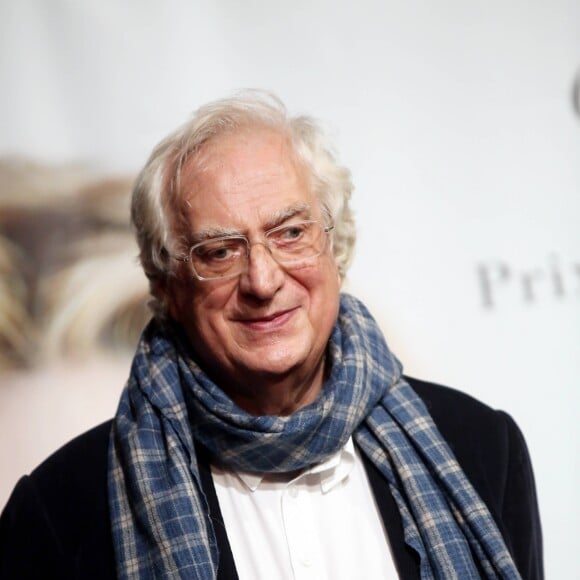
[(156, 206)]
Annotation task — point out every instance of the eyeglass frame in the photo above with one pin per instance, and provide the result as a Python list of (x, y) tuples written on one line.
[(187, 259)]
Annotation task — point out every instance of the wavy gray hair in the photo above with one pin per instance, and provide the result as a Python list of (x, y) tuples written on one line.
[(156, 207)]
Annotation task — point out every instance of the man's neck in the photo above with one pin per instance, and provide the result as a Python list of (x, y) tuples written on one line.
[(276, 395)]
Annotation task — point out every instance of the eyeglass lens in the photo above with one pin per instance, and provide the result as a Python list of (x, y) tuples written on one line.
[(288, 244)]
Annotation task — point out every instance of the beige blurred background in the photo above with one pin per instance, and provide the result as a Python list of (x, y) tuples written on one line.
[(73, 301), (460, 122)]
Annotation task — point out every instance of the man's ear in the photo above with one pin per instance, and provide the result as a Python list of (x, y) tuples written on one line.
[(339, 275), (162, 291)]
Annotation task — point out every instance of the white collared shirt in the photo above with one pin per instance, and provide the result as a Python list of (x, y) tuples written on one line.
[(320, 524)]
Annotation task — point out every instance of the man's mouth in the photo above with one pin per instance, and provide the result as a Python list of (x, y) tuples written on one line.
[(268, 322)]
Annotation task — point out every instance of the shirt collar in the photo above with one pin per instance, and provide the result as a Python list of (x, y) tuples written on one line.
[(330, 472)]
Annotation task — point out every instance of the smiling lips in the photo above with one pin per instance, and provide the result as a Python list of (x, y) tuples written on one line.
[(268, 323)]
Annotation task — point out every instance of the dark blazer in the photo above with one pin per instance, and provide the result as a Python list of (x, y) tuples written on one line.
[(56, 523)]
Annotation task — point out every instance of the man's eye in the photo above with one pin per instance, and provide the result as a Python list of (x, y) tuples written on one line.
[(219, 252), (291, 233), (294, 232)]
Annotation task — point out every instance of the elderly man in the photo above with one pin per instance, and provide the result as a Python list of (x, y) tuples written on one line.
[(266, 430)]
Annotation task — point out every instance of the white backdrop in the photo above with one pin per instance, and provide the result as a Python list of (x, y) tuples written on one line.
[(460, 122)]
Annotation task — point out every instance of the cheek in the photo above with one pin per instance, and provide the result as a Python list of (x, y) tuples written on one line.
[(182, 302), (208, 307), (323, 287), (329, 280)]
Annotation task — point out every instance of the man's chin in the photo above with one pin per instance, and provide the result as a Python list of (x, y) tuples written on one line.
[(272, 367)]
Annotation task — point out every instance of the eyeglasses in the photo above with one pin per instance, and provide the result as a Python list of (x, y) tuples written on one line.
[(290, 245)]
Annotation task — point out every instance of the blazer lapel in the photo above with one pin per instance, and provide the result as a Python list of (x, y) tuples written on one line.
[(226, 567)]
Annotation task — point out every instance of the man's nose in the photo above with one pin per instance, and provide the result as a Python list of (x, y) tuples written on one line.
[(263, 276)]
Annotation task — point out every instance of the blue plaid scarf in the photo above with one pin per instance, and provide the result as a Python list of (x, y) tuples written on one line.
[(160, 518)]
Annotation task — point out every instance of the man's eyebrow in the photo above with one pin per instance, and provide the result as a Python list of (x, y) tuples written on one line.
[(213, 232), (302, 210)]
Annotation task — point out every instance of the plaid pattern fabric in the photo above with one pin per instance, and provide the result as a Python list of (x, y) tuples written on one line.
[(160, 519)]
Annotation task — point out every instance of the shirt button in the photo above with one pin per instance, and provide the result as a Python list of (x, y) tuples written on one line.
[(293, 493), (306, 562)]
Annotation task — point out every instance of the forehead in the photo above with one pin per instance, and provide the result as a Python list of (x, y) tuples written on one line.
[(242, 178)]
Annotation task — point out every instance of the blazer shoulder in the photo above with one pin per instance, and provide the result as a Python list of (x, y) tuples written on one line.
[(71, 484), (56, 522), (492, 451), (439, 399), (478, 435), (466, 423), (84, 457)]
